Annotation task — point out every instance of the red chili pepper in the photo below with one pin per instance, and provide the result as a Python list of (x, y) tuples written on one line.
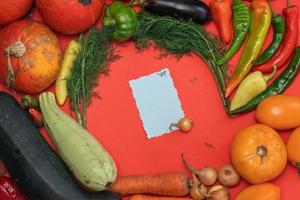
[(289, 42), (222, 13), (36, 116), (9, 190)]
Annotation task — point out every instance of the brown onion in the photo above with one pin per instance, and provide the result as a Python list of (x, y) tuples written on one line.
[(228, 176), (218, 192), (198, 191), (207, 175)]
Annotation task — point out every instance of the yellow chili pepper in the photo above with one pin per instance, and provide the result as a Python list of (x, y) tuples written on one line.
[(253, 85), (65, 71)]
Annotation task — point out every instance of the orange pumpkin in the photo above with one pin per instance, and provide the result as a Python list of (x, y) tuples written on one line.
[(30, 56), (265, 191), (281, 112), (293, 148), (13, 10), (258, 153)]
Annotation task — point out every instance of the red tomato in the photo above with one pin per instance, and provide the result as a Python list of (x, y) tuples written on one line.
[(13, 10), (70, 16)]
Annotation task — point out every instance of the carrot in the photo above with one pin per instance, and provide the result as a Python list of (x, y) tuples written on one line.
[(150, 197), (167, 184)]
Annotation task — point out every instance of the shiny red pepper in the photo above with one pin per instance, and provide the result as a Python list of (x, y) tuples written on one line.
[(9, 190), (291, 14)]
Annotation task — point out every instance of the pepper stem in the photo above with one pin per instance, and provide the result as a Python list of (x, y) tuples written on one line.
[(298, 166), (268, 77)]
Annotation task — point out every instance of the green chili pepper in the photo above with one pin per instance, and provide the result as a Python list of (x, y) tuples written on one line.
[(279, 30), (123, 18), (259, 27), (241, 23), (253, 85), (277, 87)]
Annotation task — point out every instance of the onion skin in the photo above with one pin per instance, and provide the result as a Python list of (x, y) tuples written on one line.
[(228, 176)]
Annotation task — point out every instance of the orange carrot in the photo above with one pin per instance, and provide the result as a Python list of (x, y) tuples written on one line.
[(150, 197), (167, 184)]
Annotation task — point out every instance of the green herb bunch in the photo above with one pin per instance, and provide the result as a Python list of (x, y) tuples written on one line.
[(96, 51), (181, 37)]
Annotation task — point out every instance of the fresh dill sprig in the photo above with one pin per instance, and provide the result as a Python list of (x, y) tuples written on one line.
[(96, 51), (181, 37)]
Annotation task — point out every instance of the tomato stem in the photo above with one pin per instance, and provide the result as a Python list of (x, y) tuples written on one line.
[(261, 151)]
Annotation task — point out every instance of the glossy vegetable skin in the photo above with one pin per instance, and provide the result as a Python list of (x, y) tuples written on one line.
[(265, 191), (254, 84), (9, 190), (221, 14), (259, 27), (241, 23), (34, 166), (195, 10), (64, 74), (278, 35), (279, 85), (293, 149), (289, 43), (258, 153), (122, 18), (281, 112)]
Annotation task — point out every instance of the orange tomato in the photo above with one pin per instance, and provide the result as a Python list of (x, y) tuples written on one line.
[(281, 112), (258, 153), (265, 191), (293, 148)]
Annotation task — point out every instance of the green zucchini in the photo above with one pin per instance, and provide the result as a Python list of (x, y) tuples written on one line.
[(35, 167), (89, 162)]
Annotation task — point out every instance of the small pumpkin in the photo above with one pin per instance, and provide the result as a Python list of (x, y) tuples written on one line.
[(293, 148), (70, 16), (30, 56), (13, 10), (258, 153), (281, 112), (265, 191)]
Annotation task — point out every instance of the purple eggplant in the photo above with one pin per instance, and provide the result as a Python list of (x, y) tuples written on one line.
[(194, 10)]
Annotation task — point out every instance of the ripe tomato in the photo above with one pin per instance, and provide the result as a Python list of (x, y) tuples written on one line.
[(281, 112), (258, 153)]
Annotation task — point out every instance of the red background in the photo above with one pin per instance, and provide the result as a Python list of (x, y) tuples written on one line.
[(115, 122)]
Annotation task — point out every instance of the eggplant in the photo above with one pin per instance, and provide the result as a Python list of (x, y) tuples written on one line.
[(34, 166), (194, 10)]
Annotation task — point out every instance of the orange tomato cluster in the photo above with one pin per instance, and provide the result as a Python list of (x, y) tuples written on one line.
[(259, 154)]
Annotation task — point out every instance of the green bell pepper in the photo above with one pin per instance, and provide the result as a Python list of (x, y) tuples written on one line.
[(122, 18)]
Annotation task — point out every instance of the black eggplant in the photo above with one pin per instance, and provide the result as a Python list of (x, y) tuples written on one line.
[(195, 10), (34, 166)]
